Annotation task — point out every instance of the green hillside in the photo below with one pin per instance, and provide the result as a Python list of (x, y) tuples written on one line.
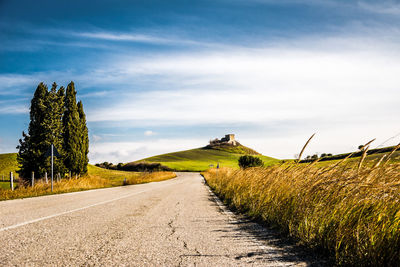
[(8, 163), (200, 159)]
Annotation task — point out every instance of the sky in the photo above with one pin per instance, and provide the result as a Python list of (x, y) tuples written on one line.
[(164, 76)]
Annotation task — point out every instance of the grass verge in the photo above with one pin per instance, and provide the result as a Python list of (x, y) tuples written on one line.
[(351, 213), (96, 178)]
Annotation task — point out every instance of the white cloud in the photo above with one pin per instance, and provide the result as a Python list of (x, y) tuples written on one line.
[(343, 88), (254, 86), (149, 133), (130, 151), (346, 91)]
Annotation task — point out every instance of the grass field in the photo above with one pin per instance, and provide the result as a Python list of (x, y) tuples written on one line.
[(349, 212), (200, 159), (95, 178)]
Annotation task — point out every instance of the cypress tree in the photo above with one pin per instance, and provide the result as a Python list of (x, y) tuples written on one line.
[(71, 125), (54, 127), (33, 145), (84, 139)]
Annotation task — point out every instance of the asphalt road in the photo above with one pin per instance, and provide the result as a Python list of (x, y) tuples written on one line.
[(170, 223)]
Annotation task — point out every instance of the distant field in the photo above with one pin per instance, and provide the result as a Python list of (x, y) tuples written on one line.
[(370, 160), (200, 159)]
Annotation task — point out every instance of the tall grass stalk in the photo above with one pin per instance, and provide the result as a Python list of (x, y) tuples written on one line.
[(349, 212)]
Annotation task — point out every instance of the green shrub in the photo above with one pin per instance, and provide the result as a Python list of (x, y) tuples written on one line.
[(250, 161)]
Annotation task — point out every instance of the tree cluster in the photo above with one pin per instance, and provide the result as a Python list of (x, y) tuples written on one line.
[(315, 156), (134, 166), (55, 118), (250, 161)]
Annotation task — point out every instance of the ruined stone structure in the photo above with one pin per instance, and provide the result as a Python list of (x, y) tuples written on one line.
[(228, 139)]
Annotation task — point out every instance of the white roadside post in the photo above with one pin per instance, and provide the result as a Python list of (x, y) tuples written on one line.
[(11, 181), (33, 179), (51, 167), (45, 177)]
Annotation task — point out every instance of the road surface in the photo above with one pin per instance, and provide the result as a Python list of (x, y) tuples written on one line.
[(177, 222)]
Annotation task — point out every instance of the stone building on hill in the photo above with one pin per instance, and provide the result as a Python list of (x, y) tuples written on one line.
[(228, 139)]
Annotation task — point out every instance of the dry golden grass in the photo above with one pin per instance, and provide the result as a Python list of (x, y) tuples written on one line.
[(350, 211), (151, 177), (93, 180)]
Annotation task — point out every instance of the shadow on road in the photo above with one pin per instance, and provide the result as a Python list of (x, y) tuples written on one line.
[(269, 244)]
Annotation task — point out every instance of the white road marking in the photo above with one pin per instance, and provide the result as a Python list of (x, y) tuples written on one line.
[(74, 210)]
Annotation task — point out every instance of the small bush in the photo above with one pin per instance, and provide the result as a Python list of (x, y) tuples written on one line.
[(250, 161)]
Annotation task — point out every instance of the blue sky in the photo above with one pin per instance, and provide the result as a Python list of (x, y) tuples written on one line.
[(161, 76)]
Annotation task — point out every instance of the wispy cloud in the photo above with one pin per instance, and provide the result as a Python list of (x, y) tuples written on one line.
[(159, 39), (122, 37), (381, 7), (13, 109)]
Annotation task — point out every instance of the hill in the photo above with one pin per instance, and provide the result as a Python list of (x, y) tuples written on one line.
[(200, 159)]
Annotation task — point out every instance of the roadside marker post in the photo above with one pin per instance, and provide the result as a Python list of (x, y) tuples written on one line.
[(33, 179), (11, 181), (52, 179), (45, 177), (51, 152)]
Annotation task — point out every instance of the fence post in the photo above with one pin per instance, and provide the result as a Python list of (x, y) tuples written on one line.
[(33, 179), (11, 181)]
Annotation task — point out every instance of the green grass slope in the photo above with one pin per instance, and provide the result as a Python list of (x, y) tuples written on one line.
[(8, 163), (200, 159)]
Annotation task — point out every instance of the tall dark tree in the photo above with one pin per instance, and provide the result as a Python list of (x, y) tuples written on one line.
[(71, 124), (33, 145), (84, 139), (53, 126)]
